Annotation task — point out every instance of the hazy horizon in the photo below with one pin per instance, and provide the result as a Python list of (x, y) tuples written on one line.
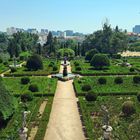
[(78, 15)]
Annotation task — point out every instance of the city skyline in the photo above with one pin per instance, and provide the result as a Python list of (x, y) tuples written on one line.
[(79, 15)]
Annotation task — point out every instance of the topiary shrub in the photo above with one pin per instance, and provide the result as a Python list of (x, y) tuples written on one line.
[(128, 108), (22, 58), (91, 96), (27, 97), (34, 63), (86, 87), (90, 54), (136, 79), (118, 80), (33, 88), (76, 63), (55, 68), (78, 68), (138, 97), (13, 69), (5, 63), (99, 61), (25, 80), (51, 64), (131, 69), (102, 80)]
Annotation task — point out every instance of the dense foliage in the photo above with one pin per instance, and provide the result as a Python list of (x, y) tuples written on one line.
[(107, 40), (99, 61), (34, 63), (90, 54), (7, 103)]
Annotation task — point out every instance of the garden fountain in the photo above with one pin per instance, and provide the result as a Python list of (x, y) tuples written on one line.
[(65, 76)]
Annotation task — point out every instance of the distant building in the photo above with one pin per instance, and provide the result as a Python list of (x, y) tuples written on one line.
[(136, 29), (44, 31), (32, 31), (12, 30), (69, 33)]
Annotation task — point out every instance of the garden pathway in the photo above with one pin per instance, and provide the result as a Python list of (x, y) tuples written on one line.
[(35, 128), (64, 123)]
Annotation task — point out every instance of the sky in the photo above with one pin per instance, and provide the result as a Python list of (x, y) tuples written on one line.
[(84, 16)]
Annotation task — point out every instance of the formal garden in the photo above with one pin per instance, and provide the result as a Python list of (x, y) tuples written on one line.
[(117, 67), (107, 86)]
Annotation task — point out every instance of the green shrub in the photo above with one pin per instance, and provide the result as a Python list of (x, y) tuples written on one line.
[(99, 61), (51, 64), (128, 108), (91, 96), (33, 88), (25, 80), (102, 80), (78, 68), (5, 63), (90, 54), (136, 79), (118, 80), (22, 58), (86, 87), (76, 63), (34, 63), (138, 97), (27, 97), (131, 69), (55, 68), (13, 69)]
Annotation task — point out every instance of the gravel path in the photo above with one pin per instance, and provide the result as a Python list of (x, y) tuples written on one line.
[(64, 123)]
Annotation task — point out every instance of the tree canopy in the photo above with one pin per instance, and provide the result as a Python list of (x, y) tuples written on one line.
[(108, 40)]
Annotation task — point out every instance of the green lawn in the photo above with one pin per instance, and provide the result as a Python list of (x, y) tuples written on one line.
[(110, 87), (123, 128), (14, 124), (46, 70), (45, 85), (114, 68)]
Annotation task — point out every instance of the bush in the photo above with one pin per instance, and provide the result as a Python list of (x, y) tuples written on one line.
[(26, 97), (33, 88), (128, 108), (76, 63), (78, 68), (138, 97), (131, 69), (25, 80), (34, 63), (102, 80), (90, 54), (22, 58), (51, 64), (99, 61), (55, 68), (91, 96), (13, 69), (86, 87), (136, 79), (118, 80), (5, 63)]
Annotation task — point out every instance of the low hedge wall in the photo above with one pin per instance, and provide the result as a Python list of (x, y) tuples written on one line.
[(105, 74)]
